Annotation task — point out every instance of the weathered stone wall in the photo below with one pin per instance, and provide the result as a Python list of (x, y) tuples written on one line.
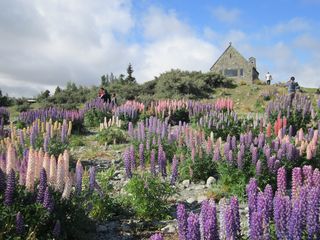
[(232, 59)]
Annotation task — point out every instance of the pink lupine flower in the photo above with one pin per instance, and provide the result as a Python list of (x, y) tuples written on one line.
[(60, 174), (53, 171), (30, 171)]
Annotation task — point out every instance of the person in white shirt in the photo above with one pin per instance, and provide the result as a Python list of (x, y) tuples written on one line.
[(268, 78)]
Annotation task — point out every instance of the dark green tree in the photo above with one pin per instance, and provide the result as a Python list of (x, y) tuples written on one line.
[(130, 78)]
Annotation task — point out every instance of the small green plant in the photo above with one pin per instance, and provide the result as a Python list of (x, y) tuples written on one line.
[(94, 117), (56, 147), (111, 135), (148, 196), (76, 141)]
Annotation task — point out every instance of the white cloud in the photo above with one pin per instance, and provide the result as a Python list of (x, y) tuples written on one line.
[(226, 15), (293, 25)]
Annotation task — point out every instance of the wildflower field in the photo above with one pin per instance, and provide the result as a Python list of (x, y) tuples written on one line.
[(259, 172)]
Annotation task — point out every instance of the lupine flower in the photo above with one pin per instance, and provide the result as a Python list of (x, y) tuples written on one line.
[(66, 159), (182, 222), (48, 200), (67, 189), (193, 230), (127, 163), (222, 209), (42, 186), (19, 224), (281, 181), (234, 204), (2, 181), (57, 229), (281, 206), (11, 184), (53, 171), (268, 193), (252, 189), (256, 229), (79, 173), (258, 168), (141, 155), (307, 175), (230, 223), (92, 178), (295, 221), (316, 177), (60, 174), (174, 174), (296, 181), (313, 226), (10, 160), (210, 223), (152, 162), (156, 236), (254, 155)]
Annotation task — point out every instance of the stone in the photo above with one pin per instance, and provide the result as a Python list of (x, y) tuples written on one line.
[(210, 182), (185, 183), (191, 200), (199, 187), (170, 228)]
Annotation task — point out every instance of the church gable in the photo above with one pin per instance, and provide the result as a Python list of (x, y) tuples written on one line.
[(233, 65)]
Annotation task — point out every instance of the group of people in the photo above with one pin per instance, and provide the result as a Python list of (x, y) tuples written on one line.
[(106, 97), (292, 85)]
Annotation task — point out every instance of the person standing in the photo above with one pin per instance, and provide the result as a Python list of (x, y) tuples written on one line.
[(268, 78), (104, 95), (292, 87)]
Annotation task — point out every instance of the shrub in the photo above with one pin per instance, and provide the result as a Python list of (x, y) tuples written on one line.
[(179, 115), (111, 135), (94, 117), (148, 196)]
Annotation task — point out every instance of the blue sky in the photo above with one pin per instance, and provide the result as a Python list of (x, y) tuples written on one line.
[(48, 43)]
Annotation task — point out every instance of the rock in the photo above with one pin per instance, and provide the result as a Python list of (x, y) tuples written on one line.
[(199, 187), (191, 200), (102, 228), (202, 182), (201, 198), (186, 183), (210, 182), (170, 228)]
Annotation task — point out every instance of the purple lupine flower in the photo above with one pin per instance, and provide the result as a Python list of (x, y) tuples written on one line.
[(262, 209), (268, 193), (174, 174), (79, 174), (203, 216), (163, 165), (252, 189), (281, 213), (234, 204), (296, 181), (313, 226), (290, 152), (141, 155), (256, 228), (316, 177), (233, 143), (2, 181), (240, 160), (57, 229), (230, 223), (193, 230), (254, 155), (48, 200), (42, 185), (152, 162), (132, 157), (295, 221), (11, 184), (281, 181), (182, 221), (230, 157), (156, 236), (307, 175), (258, 168), (19, 224), (92, 178), (210, 228), (216, 154), (127, 163)]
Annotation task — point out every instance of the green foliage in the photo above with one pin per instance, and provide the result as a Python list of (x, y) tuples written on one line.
[(94, 117), (184, 84), (111, 135), (130, 78), (198, 170), (5, 101), (55, 146), (179, 115), (76, 141), (148, 196)]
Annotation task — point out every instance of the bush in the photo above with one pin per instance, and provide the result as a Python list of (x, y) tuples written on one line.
[(111, 135), (94, 117), (179, 115), (148, 196)]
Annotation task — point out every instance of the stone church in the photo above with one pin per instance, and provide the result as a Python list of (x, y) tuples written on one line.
[(232, 64)]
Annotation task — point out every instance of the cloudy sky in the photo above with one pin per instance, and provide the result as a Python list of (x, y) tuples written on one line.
[(45, 43)]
